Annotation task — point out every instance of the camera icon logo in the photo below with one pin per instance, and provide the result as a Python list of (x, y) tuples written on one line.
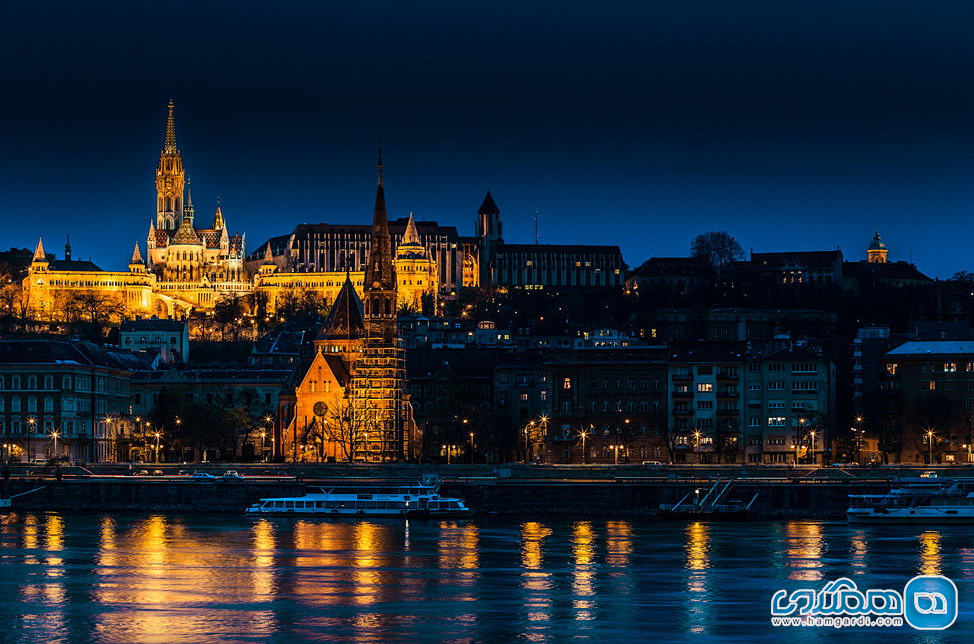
[(930, 602)]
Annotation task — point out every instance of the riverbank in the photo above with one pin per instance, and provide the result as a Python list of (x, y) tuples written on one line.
[(623, 496)]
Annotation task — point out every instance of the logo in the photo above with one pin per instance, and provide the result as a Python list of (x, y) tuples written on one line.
[(928, 602)]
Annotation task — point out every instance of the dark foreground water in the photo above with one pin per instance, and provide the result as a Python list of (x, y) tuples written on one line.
[(189, 578)]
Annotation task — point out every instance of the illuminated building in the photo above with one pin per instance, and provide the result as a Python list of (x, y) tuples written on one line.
[(350, 400), (76, 390), (184, 269)]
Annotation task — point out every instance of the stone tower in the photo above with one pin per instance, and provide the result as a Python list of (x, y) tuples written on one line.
[(170, 180), (489, 230)]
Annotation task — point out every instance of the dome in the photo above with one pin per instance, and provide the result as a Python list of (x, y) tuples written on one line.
[(877, 243)]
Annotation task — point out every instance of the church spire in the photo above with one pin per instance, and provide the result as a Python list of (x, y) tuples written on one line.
[(136, 255), (380, 272), (188, 211), (170, 145), (67, 248), (218, 223)]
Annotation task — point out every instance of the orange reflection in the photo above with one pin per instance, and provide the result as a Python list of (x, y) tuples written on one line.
[(618, 543), (459, 548), (583, 575), (535, 582), (859, 551), (804, 545), (263, 573), (697, 565), (931, 557)]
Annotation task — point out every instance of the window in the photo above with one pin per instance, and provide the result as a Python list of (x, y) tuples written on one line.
[(705, 404), (928, 385), (524, 397), (48, 403), (754, 366), (776, 385), (679, 407), (705, 371), (544, 395), (753, 421), (950, 367), (32, 382), (32, 404), (566, 407), (66, 383), (805, 367), (643, 406), (776, 404), (15, 382), (705, 386), (804, 386), (566, 384), (48, 382), (776, 421), (776, 367), (754, 386)]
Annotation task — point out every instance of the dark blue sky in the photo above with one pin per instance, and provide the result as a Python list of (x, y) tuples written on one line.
[(632, 123)]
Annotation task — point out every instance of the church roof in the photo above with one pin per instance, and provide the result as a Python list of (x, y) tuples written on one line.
[(77, 265), (346, 318), (39, 255), (185, 234), (488, 207), (136, 255)]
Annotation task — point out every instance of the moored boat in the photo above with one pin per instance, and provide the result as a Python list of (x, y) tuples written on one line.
[(420, 500), (925, 501)]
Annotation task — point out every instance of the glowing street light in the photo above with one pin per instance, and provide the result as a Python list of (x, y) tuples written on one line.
[(55, 435), (584, 435), (930, 446)]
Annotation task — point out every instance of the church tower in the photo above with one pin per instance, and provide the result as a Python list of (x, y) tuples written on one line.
[(380, 274), (877, 250), (489, 230), (378, 384), (170, 180)]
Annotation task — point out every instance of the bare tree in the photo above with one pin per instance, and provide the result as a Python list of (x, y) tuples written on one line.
[(718, 248), (348, 426)]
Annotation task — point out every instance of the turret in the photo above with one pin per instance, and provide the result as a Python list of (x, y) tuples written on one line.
[(39, 261), (136, 264), (876, 254)]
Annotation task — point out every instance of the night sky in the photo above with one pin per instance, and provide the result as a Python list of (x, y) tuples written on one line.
[(632, 123)]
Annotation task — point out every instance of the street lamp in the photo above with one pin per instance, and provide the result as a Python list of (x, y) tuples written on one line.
[(616, 447), (54, 435), (157, 435), (471, 447), (583, 434), (263, 446), (30, 430), (527, 449), (801, 430), (930, 446), (696, 444), (270, 421), (812, 434)]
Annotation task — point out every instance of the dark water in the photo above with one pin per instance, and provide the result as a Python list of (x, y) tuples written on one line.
[(188, 578)]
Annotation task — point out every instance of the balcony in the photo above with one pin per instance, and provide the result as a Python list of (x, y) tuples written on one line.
[(727, 394), (682, 395), (727, 375)]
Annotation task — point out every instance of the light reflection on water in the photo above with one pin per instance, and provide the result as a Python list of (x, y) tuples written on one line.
[(187, 578)]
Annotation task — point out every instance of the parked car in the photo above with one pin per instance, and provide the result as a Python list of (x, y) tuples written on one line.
[(652, 463), (156, 472), (203, 476), (929, 474), (232, 474), (140, 473)]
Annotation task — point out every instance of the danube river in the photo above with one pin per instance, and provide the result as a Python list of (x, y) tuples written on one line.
[(173, 578)]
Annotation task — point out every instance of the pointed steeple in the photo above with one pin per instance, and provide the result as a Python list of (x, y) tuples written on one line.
[(268, 255), (67, 249), (136, 255), (411, 236), (186, 234), (488, 207), (39, 255), (218, 222), (380, 273), (170, 144), (188, 211), (345, 321)]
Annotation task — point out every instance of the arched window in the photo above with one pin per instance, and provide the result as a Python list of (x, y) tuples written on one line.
[(32, 404), (48, 382), (48, 403), (66, 380), (1, 382), (15, 382), (32, 382)]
